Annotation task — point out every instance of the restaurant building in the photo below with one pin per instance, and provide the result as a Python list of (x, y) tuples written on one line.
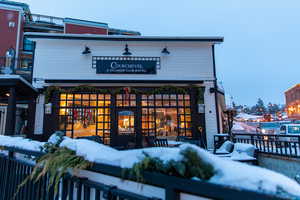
[(115, 84), (292, 97), (124, 88)]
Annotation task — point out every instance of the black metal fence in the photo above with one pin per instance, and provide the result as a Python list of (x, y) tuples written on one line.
[(285, 145), (13, 171)]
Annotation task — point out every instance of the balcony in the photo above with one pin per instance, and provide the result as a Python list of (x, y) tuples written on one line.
[(43, 23), (16, 66)]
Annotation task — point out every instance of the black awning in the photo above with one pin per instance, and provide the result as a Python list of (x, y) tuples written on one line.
[(23, 88)]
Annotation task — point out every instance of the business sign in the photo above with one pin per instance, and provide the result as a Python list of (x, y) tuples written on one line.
[(126, 66)]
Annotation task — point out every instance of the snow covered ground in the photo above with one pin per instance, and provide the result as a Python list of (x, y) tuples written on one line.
[(245, 116), (241, 127), (20, 142), (227, 172)]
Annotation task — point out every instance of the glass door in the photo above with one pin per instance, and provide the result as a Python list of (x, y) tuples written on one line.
[(126, 128), (126, 122)]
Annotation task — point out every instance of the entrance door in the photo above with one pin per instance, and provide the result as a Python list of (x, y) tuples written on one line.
[(126, 136)]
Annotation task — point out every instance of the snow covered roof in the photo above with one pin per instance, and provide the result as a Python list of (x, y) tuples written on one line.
[(123, 37)]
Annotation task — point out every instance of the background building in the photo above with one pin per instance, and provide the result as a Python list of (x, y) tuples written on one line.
[(292, 98), (16, 19)]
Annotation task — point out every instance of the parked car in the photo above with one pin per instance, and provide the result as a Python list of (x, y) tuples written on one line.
[(290, 130), (269, 127)]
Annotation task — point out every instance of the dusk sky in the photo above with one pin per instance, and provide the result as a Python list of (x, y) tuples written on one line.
[(261, 53)]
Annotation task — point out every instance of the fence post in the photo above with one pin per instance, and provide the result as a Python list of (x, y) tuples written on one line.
[(233, 138), (298, 144), (7, 175), (171, 194), (252, 140)]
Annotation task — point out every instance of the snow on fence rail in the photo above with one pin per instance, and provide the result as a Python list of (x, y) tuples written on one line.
[(106, 180), (284, 145)]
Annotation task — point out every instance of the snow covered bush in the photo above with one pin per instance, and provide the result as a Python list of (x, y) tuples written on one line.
[(53, 142), (190, 166)]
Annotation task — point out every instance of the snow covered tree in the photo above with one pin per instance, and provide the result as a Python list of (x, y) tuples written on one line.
[(259, 108), (273, 108)]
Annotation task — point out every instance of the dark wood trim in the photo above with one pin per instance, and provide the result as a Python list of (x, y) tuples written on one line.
[(22, 89), (33, 56), (114, 122), (198, 119), (11, 113), (125, 81), (216, 89), (194, 113), (31, 116), (139, 134)]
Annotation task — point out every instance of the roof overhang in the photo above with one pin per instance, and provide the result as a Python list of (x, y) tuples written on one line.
[(23, 87), (123, 37), (292, 88)]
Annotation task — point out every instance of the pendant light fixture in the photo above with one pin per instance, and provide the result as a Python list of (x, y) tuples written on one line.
[(126, 51)]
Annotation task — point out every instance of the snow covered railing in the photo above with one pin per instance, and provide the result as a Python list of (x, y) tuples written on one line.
[(105, 178), (276, 144), (157, 186)]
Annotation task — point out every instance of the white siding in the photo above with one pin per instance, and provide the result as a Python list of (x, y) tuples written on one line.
[(39, 115), (62, 59), (210, 115)]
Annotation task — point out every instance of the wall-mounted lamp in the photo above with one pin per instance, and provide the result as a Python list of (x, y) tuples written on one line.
[(7, 94), (86, 50), (165, 51), (212, 90), (126, 51)]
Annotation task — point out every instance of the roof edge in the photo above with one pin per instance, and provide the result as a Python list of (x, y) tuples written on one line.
[(293, 87), (85, 22), (122, 37)]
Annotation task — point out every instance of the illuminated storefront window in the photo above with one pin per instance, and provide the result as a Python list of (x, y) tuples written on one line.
[(85, 115), (126, 100), (162, 115), (167, 115)]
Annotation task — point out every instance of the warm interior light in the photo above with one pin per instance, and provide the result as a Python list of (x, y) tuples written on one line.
[(7, 94)]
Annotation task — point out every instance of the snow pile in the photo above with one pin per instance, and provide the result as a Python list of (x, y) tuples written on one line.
[(228, 172), (20, 142), (226, 147), (99, 153), (55, 137), (243, 152), (245, 176)]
